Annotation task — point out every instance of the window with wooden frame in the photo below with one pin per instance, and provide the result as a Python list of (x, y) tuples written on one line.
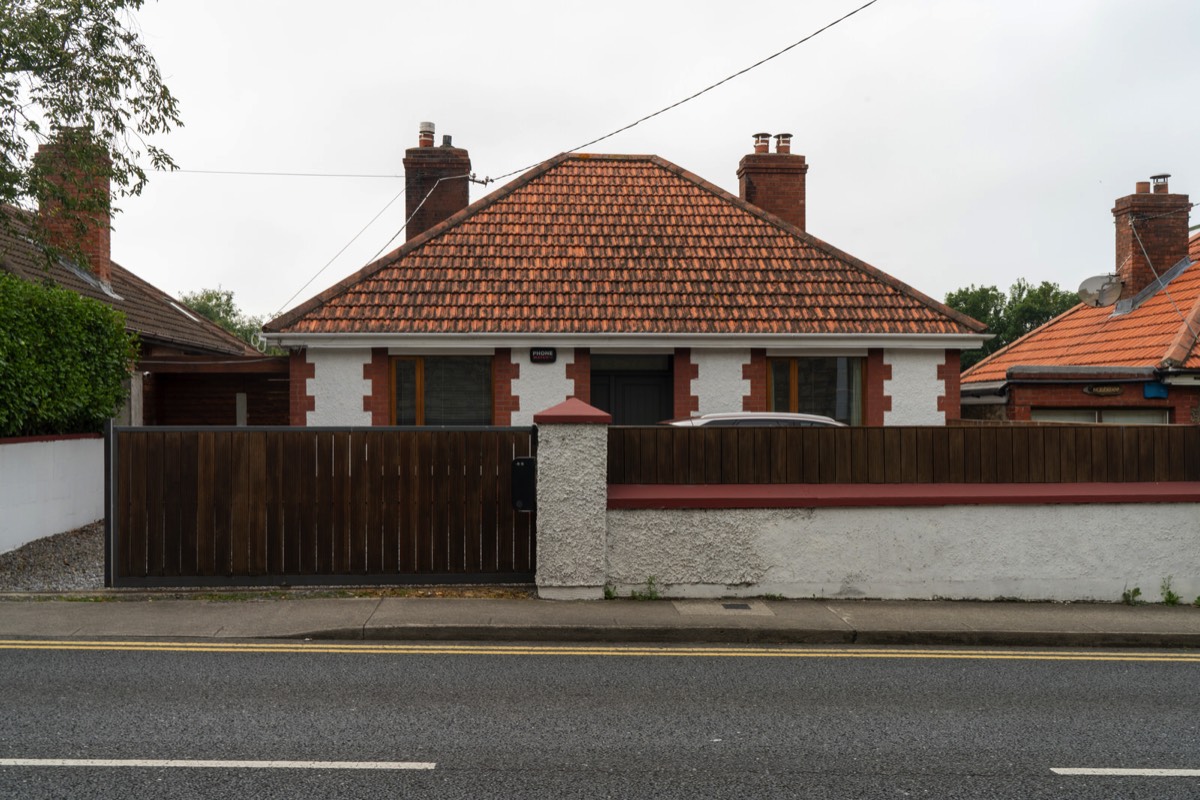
[(442, 390), (828, 385)]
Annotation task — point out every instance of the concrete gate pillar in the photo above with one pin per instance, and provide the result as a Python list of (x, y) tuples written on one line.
[(572, 501)]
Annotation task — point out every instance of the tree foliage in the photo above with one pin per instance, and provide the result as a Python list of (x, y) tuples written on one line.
[(218, 305), (63, 360), (1009, 316), (78, 65)]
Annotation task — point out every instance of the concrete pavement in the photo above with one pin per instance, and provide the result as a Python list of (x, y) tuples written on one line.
[(865, 622)]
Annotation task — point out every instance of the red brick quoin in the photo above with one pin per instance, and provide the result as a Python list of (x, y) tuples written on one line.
[(948, 373), (876, 401), (686, 403), (580, 371), (300, 402), (378, 401), (504, 372), (756, 373)]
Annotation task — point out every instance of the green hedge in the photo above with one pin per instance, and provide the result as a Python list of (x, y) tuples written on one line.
[(63, 358)]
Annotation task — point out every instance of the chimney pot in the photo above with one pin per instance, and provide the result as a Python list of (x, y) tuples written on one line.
[(425, 135), (1160, 183), (1142, 187), (774, 181), (446, 140)]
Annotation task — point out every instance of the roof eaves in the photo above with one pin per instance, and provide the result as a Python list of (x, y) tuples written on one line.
[(280, 323), (876, 273), (227, 343)]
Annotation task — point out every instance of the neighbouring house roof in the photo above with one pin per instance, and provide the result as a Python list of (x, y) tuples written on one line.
[(153, 315), (600, 244), (1160, 334)]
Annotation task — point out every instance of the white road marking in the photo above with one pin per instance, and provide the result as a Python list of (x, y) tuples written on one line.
[(1152, 773), (173, 763)]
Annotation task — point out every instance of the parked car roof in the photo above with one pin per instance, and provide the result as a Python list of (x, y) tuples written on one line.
[(758, 419)]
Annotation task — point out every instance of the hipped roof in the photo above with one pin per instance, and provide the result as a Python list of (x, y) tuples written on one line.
[(619, 244), (1159, 334)]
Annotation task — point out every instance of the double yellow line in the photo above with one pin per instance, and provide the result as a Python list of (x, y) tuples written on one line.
[(643, 651)]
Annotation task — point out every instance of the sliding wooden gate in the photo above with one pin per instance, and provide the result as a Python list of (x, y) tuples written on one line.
[(292, 506)]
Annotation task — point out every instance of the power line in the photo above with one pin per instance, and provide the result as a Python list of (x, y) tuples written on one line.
[(487, 180), (702, 91), (339, 252), (369, 224), (279, 174), (415, 210), (1158, 279)]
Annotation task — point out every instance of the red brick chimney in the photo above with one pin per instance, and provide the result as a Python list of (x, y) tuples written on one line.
[(1152, 229), (774, 181), (432, 202), (73, 211)]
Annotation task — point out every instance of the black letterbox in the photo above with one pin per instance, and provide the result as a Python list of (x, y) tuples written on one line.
[(524, 483)]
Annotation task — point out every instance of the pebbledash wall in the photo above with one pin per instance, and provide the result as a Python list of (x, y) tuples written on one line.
[(351, 386), (49, 485), (1045, 543)]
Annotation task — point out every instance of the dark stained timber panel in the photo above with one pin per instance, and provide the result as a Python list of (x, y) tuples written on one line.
[(248, 506)]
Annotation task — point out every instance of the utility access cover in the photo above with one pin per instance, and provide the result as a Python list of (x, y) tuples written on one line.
[(725, 608)]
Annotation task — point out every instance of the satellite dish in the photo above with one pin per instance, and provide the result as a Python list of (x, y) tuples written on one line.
[(1100, 291)]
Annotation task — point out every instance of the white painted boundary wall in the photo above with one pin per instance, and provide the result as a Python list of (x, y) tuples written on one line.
[(1052, 551), (49, 486), (1030, 552)]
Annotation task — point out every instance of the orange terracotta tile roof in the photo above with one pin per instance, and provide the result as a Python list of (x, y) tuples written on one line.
[(619, 244), (1159, 333)]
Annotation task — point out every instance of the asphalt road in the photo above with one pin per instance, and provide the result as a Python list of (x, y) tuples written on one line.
[(594, 722)]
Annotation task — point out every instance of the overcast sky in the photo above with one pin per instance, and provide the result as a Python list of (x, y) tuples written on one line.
[(950, 142)]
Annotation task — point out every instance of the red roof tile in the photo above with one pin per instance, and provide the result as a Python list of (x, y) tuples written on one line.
[(619, 244), (1160, 332)]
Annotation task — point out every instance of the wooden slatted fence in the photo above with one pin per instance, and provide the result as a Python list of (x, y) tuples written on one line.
[(1000, 454), (271, 506)]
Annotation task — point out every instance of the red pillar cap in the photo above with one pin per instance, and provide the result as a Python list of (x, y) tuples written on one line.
[(572, 410)]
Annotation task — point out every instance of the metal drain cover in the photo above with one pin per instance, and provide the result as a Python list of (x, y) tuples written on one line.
[(736, 606)]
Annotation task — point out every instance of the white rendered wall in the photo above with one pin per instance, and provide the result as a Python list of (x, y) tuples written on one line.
[(338, 387), (572, 492), (1031, 552), (540, 386), (914, 387), (719, 385), (48, 487)]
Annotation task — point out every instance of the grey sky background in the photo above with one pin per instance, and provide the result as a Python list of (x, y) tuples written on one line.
[(950, 142)]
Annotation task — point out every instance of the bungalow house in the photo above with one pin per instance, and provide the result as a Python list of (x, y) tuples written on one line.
[(1132, 358), (628, 283), (189, 371)]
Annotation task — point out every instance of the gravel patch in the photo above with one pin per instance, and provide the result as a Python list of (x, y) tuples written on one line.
[(66, 562)]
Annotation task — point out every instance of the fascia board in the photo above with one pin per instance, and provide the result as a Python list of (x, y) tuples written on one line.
[(435, 342)]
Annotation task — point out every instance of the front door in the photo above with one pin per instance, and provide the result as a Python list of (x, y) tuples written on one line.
[(635, 389)]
